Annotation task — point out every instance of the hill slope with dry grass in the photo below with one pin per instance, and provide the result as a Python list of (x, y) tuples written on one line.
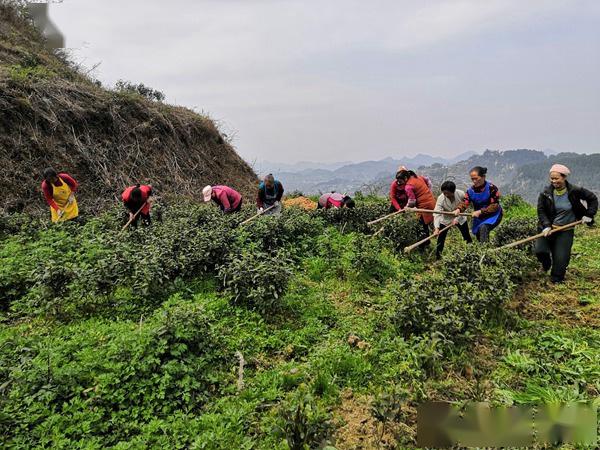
[(51, 114)]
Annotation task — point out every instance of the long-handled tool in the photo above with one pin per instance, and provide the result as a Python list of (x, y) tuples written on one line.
[(257, 214), (539, 235), (386, 217), (428, 238), (134, 216), (435, 211)]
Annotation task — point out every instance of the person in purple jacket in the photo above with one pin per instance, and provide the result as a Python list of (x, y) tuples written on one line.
[(228, 199)]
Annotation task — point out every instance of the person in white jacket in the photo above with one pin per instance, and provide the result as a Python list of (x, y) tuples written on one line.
[(448, 201)]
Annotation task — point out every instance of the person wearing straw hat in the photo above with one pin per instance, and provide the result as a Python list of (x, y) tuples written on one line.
[(269, 195), (59, 191), (560, 204), (226, 198), (138, 198), (448, 201)]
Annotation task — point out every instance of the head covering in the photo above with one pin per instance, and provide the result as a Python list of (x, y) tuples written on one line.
[(560, 169), (402, 168), (207, 193), (269, 177)]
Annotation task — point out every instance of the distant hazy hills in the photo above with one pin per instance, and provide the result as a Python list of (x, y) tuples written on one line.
[(523, 171), (315, 178)]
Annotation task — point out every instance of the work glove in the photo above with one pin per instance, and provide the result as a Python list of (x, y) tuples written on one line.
[(276, 203), (436, 231), (587, 220), (71, 199), (60, 213), (260, 210), (455, 222), (547, 231), (456, 212)]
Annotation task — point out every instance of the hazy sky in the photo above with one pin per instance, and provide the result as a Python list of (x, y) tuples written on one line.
[(355, 80)]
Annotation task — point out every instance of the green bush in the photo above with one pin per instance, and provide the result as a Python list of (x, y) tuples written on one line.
[(302, 422), (471, 287), (257, 279), (70, 271), (513, 230), (353, 219), (401, 231)]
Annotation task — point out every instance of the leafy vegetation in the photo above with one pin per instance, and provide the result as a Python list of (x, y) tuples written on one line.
[(296, 331)]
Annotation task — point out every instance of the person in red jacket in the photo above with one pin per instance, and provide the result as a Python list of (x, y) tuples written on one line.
[(138, 198), (418, 191), (59, 191), (228, 199), (398, 195)]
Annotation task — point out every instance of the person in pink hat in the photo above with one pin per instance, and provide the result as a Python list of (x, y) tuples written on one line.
[(560, 204), (228, 199)]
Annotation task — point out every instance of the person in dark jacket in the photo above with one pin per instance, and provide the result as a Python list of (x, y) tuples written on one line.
[(269, 195), (138, 198), (560, 204)]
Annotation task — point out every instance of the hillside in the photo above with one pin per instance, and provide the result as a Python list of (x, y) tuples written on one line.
[(53, 114), (522, 172)]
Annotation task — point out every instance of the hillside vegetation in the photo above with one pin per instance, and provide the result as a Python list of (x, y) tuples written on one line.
[(53, 115), (290, 331)]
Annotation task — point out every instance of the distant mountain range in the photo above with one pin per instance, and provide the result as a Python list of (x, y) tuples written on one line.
[(314, 178), (521, 171)]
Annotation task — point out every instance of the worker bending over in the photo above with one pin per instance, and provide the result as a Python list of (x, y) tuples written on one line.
[(59, 191)]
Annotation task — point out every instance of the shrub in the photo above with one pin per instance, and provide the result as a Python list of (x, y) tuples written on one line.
[(139, 89), (302, 422), (257, 279), (513, 230), (353, 219), (469, 290), (401, 231)]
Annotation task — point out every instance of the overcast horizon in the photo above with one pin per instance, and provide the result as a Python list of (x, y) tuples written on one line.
[(346, 80)]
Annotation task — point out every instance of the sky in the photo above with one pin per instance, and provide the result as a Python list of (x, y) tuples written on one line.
[(353, 80)]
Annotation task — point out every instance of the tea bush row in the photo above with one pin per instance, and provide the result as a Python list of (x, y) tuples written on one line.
[(470, 288)]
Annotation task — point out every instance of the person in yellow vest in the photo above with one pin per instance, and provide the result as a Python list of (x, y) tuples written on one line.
[(59, 191)]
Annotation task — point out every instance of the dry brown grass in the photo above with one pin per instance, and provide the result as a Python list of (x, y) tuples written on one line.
[(106, 140)]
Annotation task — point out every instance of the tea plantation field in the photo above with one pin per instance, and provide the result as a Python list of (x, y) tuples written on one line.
[(298, 331)]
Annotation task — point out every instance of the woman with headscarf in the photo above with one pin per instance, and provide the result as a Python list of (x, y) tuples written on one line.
[(485, 199), (560, 204)]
